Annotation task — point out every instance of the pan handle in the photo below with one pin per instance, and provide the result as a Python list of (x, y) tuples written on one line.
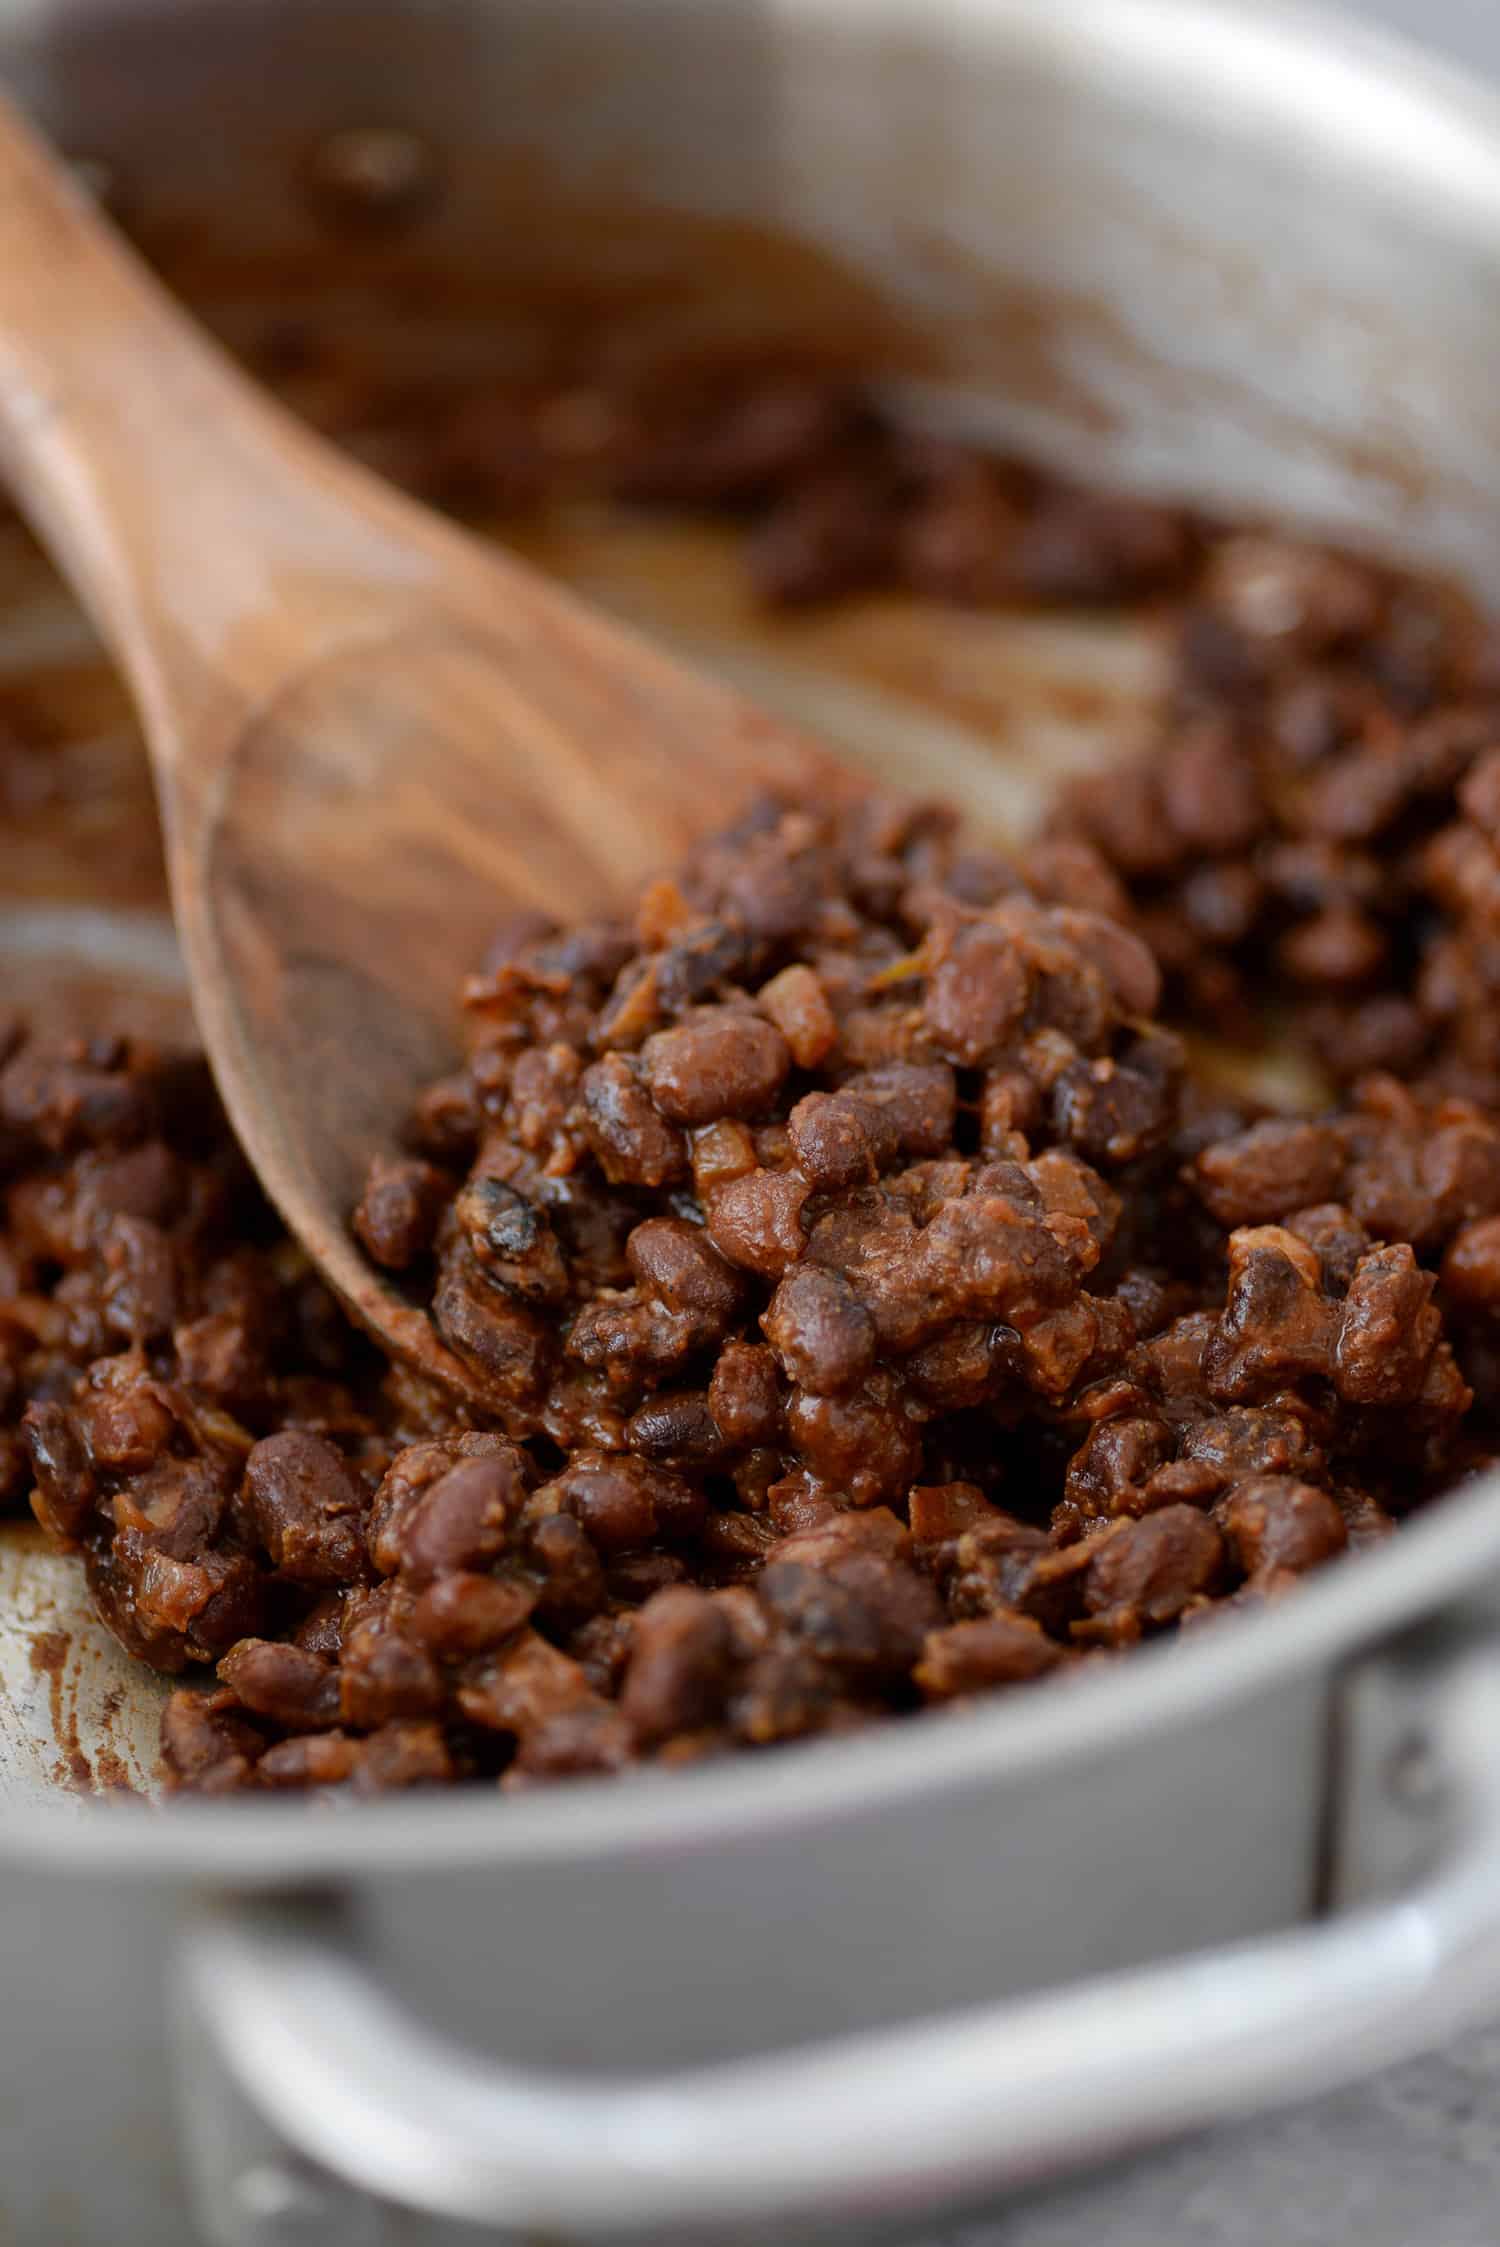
[(875, 2122)]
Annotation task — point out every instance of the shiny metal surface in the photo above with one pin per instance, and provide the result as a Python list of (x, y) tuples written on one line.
[(1181, 245)]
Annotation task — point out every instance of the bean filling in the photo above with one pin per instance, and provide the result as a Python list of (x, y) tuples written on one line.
[(875, 1300)]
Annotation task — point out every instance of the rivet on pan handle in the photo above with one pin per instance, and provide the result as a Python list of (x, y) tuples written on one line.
[(880, 2121)]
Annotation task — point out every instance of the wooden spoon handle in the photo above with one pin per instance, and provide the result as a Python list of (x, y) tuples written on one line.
[(202, 527)]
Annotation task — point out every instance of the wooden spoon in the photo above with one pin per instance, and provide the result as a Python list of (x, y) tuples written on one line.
[(372, 738)]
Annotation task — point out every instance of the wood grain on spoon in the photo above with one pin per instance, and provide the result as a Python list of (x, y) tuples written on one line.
[(371, 737)]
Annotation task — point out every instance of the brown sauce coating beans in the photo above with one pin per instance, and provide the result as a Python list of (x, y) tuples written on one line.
[(872, 1307), (869, 1403)]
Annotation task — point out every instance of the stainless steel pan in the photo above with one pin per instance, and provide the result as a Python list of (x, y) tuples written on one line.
[(1202, 248)]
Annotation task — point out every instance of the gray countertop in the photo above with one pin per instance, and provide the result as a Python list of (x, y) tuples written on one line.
[(1411, 2159)]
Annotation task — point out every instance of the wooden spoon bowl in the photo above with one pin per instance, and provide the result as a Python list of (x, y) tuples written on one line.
[(372, 737)]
